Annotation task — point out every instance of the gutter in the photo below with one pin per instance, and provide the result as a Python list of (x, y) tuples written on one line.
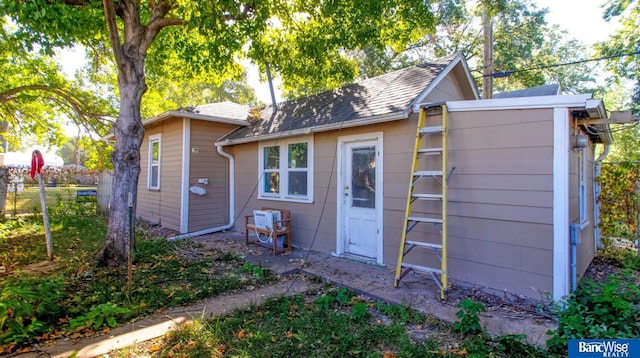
[(232, 202), (597, 189)]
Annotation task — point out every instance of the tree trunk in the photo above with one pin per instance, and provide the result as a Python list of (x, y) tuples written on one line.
[(129, 134)]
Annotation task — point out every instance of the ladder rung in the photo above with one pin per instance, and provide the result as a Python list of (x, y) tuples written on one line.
[(430, 151), (427, 196), (422, 268), (428, 173), (435, 129), (425, 220), (423, 244)]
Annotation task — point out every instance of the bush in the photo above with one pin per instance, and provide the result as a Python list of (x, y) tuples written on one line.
[(599, 310), (469, 322), (27, 307), (103, 315), (619, 199)]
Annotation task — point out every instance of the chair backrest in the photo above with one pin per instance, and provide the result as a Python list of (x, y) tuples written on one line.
[(263, 219)]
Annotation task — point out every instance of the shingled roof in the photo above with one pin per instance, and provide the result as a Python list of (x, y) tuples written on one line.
[(223, 112), (545, 90), (383, 98), (226, 109)]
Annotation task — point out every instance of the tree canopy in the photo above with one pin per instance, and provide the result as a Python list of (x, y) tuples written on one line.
[(304, 41), (36, 99), (525, 48), (623, 49)]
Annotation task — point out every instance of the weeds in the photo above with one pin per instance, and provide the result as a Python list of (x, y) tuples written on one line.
[(103, 315), (27, 307), (336, 324), (81, 298), (599, 310), (469, 322)]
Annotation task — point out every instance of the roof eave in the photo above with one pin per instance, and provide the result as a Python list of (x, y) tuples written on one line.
[(562, 101), (458, 59), (569, 101), (394, 116), (203, 117), (180, 114)]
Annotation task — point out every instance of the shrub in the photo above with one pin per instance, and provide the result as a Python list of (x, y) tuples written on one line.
[(26, 308), (104, 314), (599, 310), (469, 322)]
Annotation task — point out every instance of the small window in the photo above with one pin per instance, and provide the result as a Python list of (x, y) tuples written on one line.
[(285, 171), (154, 163), (582, 185)]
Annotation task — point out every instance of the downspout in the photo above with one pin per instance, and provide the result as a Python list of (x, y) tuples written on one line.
[(231, 202), (597, 189), (575, 240)]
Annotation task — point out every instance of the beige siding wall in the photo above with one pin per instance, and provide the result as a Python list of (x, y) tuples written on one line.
[(210, 210), (447, 90), (162, 206), (501, 194), (586, 248), (501, 233), (501, 199)]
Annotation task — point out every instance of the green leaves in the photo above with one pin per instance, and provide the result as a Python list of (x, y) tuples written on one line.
[(624, 41), (25, 306), (619, 199), (599, 310), (469, 322), (102, 315)]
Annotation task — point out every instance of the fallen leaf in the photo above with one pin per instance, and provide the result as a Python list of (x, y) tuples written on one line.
[(388, 355), (155, 348)]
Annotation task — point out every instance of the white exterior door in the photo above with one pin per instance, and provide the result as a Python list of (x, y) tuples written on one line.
[(360, 197)]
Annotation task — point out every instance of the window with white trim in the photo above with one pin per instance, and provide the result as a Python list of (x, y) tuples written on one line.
[(286, 170), (153, 181), (582, 186)]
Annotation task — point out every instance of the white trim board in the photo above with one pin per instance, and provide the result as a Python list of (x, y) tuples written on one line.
[(579, 100), (560, 203), (186, 169)]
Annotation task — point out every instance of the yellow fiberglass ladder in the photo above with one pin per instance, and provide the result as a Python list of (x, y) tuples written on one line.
[(428, 183)]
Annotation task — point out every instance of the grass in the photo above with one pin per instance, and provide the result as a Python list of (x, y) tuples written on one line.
[(73, 297), (343, 325), (28, 201)]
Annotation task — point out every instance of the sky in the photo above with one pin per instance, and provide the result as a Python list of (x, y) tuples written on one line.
[(582, 18)]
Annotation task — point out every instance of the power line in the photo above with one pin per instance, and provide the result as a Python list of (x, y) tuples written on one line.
[(510, 72)]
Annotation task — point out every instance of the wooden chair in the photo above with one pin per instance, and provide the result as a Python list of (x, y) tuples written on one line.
[(274, 235)]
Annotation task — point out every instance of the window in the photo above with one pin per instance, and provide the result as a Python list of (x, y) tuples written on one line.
[(286, 170), (582, 186), (153, 182)]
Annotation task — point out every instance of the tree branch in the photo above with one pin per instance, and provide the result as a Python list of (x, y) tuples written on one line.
[(157, 22), (112, 27), (74, 103)]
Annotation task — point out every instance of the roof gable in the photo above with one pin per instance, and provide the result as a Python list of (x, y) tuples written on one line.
[(382, 98), (223, 112)]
